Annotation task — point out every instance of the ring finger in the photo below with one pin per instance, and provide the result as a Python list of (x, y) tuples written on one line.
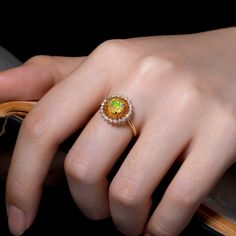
[(92, 158)]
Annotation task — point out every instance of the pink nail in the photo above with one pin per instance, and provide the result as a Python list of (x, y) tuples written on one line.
[(16, 220)]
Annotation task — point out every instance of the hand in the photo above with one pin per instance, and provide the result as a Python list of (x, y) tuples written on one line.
[(183, 89)]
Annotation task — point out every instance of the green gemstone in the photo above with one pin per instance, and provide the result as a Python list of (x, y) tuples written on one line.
[(115, 106)]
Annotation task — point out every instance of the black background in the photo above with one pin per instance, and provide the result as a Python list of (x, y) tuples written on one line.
[(73, 29)]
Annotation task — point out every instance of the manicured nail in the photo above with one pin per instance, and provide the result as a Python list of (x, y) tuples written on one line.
[(16, 220)]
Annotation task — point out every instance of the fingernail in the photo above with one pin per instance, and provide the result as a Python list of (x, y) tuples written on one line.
[(16, 220)]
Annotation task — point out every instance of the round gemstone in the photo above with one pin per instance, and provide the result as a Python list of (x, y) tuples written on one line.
[(116, 109), (115, 106)]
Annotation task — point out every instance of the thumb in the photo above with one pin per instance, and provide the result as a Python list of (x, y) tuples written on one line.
[(34, 78)]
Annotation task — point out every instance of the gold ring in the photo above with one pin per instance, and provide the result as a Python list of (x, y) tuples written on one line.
[(117, 110)]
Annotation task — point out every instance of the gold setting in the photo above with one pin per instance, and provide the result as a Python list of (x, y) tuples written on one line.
[(117, 110)]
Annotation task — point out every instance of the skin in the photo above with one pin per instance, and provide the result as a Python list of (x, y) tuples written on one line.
[(183, 89)]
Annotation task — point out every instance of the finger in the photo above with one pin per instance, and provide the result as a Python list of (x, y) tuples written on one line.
[(143, 169), (211, 154), (92, 158), (47, 125), (33, 79)]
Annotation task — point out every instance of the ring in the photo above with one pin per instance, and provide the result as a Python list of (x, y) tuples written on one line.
[(117, 110)]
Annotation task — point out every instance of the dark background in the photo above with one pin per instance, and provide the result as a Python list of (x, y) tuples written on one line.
[(75, 29), (72, 29)]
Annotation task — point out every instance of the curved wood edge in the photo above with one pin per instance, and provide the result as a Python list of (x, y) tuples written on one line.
[(216, 221), (9, 108)]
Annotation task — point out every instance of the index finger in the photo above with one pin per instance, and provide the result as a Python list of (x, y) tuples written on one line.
[(58, 114), (34, 78)]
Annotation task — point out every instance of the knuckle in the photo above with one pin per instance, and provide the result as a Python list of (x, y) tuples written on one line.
[(46, 71), (186, 97), (159, 66), (39, 59), (228, 119), (36, 126), (183, 196), (191, 93), (111, 49), (125, 192), (18, 190), (80, 170), (17, 187), (225, 119)]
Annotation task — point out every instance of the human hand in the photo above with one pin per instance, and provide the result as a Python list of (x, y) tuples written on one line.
[(183, 92)]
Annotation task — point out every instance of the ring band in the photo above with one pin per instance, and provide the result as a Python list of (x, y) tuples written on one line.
[(117, 110), (132, 126)]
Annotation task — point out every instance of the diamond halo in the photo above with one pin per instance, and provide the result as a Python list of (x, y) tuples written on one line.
[(116, 109)]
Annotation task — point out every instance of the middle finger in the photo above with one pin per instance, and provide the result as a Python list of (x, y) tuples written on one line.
[(148, 161)]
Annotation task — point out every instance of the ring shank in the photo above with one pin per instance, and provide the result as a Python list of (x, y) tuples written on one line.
[(133, 128)]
